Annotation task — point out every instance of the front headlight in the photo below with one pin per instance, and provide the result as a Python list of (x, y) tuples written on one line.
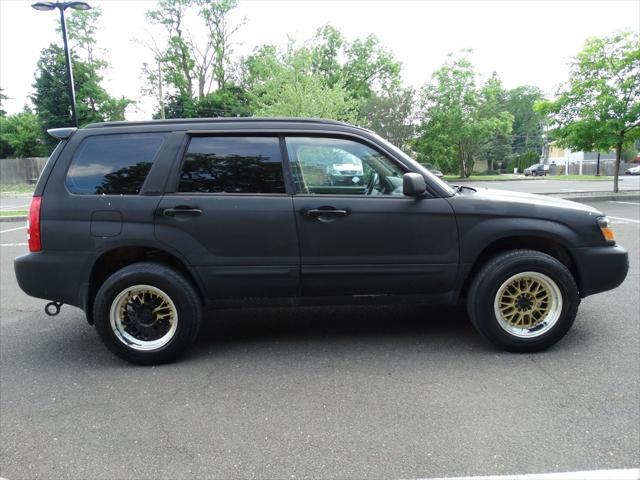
[(607, 232)]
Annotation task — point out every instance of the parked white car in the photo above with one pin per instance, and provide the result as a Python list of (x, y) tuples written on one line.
[(633, 171)]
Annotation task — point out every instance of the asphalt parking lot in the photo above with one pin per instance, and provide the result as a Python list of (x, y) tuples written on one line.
[(393, 392)]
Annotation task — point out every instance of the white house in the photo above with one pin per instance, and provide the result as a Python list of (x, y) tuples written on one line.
[(577, 162)]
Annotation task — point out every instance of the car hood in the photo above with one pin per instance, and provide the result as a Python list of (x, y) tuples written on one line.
[(535, 202)]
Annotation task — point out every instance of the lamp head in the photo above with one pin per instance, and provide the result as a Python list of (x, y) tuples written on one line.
[(79, 5), (43, 6)]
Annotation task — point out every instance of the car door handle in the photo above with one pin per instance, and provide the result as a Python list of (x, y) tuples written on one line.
[(317, 212), (182, 211)]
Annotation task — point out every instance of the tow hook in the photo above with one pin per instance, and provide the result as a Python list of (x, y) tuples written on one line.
[(52, 308)]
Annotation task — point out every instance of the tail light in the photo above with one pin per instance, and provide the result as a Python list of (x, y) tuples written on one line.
[(33, 225)]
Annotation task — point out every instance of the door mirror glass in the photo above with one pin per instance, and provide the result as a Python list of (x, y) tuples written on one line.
[(413, 185)]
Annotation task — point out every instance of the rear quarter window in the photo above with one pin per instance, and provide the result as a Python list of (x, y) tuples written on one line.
[(113, 164)]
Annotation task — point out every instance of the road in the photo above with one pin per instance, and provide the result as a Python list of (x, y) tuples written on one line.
[(544, 185), (15, 203), (393, 392)]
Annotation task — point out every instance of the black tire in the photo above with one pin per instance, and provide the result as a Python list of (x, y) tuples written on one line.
[(491, 276), (168, 281)]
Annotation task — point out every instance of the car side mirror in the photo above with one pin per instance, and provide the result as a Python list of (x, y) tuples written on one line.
[(413, 185)]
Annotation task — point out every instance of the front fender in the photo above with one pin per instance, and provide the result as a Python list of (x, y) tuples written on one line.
[(476, 236)]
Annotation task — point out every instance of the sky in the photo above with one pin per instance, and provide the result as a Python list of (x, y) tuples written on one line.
[(525, 42)]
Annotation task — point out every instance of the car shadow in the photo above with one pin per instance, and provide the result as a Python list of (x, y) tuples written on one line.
[(318, 327), (245, 334)]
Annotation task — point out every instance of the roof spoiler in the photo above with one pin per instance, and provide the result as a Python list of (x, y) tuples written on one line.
[(62, 133)]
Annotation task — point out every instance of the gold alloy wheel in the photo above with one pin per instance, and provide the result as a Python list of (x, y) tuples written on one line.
[(143, 317), (528, 304)]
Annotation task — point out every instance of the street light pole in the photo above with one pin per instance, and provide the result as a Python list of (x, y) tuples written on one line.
[(62, 6), (67, 56)]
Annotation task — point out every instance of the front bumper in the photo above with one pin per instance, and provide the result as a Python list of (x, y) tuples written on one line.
[(56, 276), (600, 268)]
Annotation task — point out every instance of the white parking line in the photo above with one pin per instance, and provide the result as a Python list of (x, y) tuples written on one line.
[(624, 219), (13, 244), (626, 203), (13, 207), (12, 229), (618, 474)]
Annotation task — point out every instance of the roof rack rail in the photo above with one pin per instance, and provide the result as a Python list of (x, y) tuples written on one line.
[(215, 120)]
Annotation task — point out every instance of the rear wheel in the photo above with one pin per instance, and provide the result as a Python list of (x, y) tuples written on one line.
[(523, 300), (147, 313)]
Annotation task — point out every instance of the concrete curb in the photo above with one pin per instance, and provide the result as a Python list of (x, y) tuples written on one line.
[(596, 196), (13, 219)]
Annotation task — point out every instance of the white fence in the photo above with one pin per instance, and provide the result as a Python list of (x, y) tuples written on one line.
[(589, 168)]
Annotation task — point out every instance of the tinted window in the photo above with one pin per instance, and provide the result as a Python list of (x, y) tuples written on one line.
[(113, 164), (232, 165), (335, 166)]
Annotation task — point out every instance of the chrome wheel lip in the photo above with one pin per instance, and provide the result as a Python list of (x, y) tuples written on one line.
[(131, 341), (548, 321)]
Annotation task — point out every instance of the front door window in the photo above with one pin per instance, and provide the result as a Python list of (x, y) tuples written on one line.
[(336, 166)]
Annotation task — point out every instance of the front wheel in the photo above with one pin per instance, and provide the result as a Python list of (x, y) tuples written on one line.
[(147, 313), (523, 300)]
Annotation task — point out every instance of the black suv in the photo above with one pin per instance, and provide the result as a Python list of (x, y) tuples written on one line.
[(144, 225)]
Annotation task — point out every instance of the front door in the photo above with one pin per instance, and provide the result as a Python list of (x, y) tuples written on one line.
[(232, 219), (359, 235)]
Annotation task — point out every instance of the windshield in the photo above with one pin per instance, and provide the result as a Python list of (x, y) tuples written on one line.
[(441, 183)]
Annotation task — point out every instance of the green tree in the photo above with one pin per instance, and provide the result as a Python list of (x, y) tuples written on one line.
[(363, 67), (228, 101), (390, 115), (493, 104), (353, 81), (217, 17), (527, 122), (457, 118), (177, 62), (369, 68), (284, 85), (3, 97), (22, 133), (5, 149), (599, 107), (51, 98), (94, 104), (186, 66), (82, 26)]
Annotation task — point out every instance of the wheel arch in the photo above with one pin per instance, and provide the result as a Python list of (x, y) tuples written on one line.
[(540, 243), (112, 260)]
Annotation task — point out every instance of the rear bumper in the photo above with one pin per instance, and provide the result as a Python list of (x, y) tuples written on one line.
[(600, 268), (56, 276)]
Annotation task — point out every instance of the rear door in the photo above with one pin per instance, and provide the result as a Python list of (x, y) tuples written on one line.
[(359, 235), (229, 214)]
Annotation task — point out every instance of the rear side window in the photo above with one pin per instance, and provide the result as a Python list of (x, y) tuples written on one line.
[(232, 165), (113, 164)]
